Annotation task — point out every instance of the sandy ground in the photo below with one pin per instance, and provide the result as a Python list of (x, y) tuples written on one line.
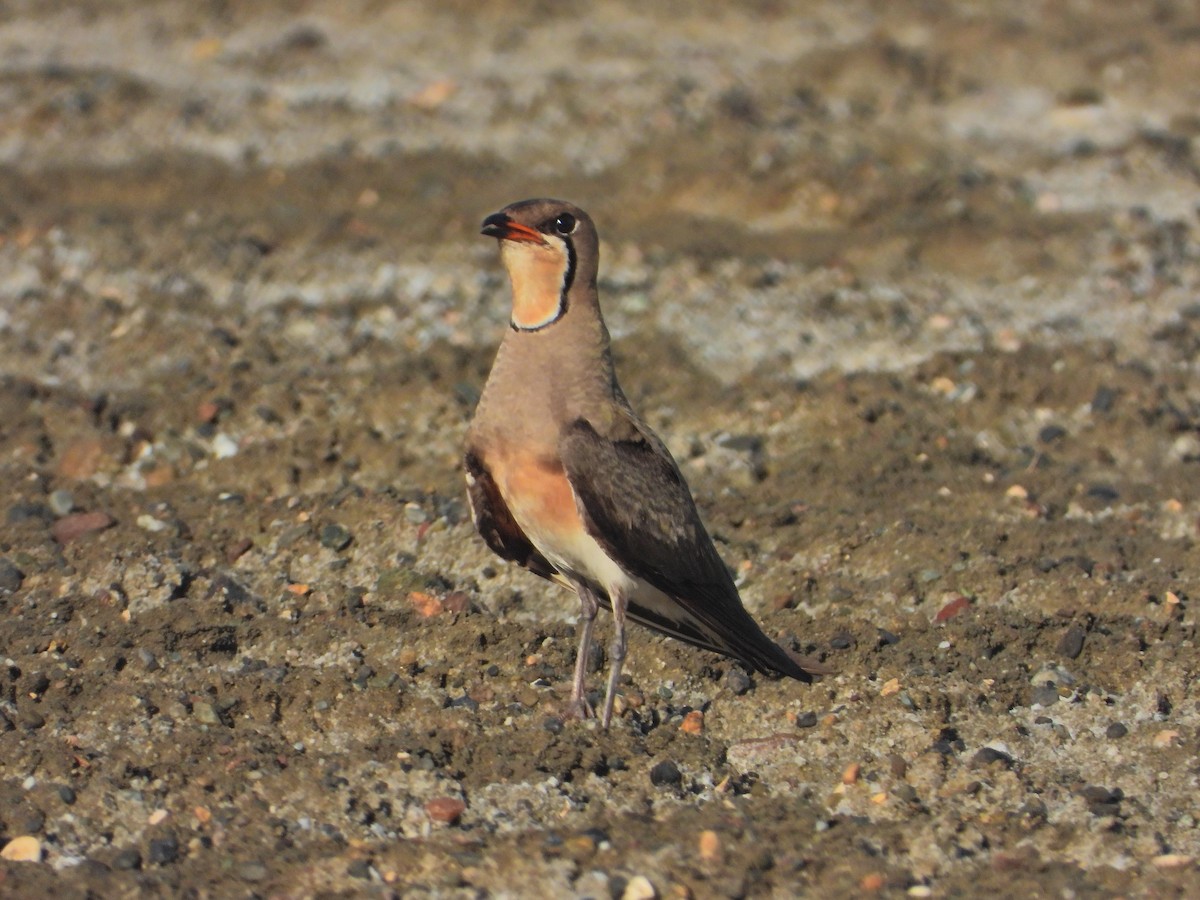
[(910, 289)]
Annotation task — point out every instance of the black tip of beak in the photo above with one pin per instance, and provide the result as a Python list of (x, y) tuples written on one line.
[(496, 225)]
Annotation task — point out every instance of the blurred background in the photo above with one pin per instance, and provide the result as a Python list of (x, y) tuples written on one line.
[(781, 185)]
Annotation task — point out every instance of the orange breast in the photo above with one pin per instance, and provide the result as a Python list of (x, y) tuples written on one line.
[(540, 498)]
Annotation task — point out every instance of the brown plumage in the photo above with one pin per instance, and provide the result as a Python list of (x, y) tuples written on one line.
[(565, 479)]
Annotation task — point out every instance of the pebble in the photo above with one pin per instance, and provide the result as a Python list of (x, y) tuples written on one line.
[(710, 846), (1051, 433), (76, 525), (224, 447), (61, 502), (693, 722), (205, 713), (639, 887), (66, 793), (806, 720), (336, 537), (1046, 695), (1166, 738), (81, 459), (252, 871), (127, 859), (1116, 730), (985, 756), (426, 605), (25, 848), (446, 810), (414, 514), (665, 774), (1171, 861), (164, 850), (1070, 644), (147, 522), (891, 686), (850, 773), (956, 605), (737, 681), (28, 512), (10, 576)]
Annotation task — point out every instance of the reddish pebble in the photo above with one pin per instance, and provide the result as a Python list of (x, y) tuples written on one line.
[(73, 527), (873, 882), (952, 609), (207, 412), (427, 605), (235, 550), (81, 459), (445, 809), (457, 602)]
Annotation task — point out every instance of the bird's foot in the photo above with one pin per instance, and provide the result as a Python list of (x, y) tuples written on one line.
[(578, 708)]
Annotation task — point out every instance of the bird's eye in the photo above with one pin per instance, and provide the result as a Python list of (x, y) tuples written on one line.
[(564, 224)]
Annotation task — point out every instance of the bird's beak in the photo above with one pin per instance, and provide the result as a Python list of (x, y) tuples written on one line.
[(499, 225)]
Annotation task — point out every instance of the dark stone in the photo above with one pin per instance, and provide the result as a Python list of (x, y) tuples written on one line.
[(1105, 493), (1051, 433), (363, 675), (1097, 793), (66, 793), (842, 641), (985, 756), (1070, 644), (665, 774), (29, 512), (360, 868), (1046, 695), (1103, 399), (887, 637), (10, 576), (806, 720), (164, 850), (31, 721), (1115, 730), (336, 537), (737, 681), (127, 859)]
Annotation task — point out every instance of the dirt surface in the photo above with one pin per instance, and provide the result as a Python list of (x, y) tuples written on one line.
[(911, 289)]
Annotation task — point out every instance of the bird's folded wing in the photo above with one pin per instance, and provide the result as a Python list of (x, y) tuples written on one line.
[(635, 503)]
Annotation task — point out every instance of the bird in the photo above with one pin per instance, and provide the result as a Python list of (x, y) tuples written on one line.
[(564, 479)]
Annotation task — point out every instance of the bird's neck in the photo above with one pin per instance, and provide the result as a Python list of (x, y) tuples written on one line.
[(549, 378)]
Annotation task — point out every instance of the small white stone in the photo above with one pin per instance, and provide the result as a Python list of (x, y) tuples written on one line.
[(223, 446)]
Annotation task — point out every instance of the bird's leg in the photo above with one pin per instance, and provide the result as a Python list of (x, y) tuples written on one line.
[(616, 656), (588, 604)]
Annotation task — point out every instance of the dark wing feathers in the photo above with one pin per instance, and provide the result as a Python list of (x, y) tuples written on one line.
[(636, 504), (495, 523)]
